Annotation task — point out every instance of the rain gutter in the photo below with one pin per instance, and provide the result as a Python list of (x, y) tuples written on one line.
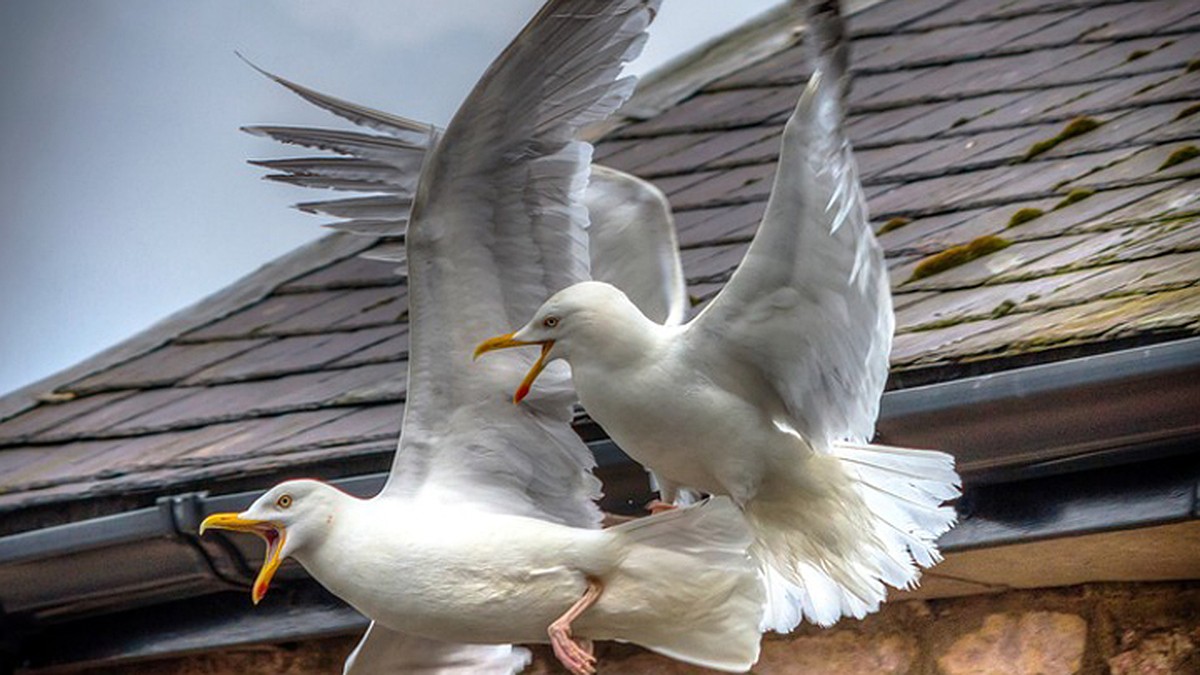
[(1089, 444)]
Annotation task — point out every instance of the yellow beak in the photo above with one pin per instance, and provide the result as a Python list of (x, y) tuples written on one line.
[(506, 341), (274, 535)]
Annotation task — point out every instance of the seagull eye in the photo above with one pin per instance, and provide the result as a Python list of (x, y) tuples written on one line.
[(284, 501), (550, 321)]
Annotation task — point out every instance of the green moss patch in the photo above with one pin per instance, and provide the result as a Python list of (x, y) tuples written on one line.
[(1076, 195), (1024, 216), (1193, 65), (893, 224), (958, 255), (1186, 153), (1187, 112), (1138, 54), (1076, 127)]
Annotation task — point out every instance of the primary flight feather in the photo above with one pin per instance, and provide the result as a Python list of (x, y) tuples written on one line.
[(770, 395), (484, 532)]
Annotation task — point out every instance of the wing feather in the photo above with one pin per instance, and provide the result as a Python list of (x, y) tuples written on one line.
[(498, 225), (809, 308)]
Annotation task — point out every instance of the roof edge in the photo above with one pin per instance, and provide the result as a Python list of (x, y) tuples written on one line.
[(234, 296)]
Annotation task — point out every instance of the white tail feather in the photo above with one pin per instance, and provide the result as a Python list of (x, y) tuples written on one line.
[(862, 516)]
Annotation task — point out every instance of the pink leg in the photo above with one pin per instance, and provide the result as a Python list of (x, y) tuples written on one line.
[(576, 656), (656, 506)]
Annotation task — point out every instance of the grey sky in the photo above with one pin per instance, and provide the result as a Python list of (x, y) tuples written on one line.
[(123, 184)]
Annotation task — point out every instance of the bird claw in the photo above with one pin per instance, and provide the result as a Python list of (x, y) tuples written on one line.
[(575, 655)]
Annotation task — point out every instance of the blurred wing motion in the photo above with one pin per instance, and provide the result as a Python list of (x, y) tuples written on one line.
[(631, 232)]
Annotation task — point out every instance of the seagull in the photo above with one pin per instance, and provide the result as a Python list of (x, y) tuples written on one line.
[(485, 533), (770, 394)]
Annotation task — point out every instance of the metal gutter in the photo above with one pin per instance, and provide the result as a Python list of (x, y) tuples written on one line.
[(1038, 446)]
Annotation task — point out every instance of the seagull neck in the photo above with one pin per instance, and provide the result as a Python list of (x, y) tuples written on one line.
[(624, 338)]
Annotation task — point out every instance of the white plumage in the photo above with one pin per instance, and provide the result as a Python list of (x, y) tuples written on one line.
[(770, 395), (485, 531)]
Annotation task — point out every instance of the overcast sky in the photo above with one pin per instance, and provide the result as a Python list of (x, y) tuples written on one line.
[(124, 192)]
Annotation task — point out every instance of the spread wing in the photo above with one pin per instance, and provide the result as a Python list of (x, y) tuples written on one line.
[(631, 236), (809, 310), (497, 226)]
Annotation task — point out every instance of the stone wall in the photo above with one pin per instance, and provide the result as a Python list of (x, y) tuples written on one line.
[(1123, 629)]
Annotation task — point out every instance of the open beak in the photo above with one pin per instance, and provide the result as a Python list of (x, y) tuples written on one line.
[(274, 535), (506, 341)]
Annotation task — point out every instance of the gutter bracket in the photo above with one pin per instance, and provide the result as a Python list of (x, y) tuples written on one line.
[(182, 515)]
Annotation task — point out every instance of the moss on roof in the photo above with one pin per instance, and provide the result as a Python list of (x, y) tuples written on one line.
[(1076, 127), (893, 224), (958, 255), (1181, 155), (1024, 216), (1076, 195)]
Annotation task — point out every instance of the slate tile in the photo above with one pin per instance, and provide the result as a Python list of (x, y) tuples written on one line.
[(350, 309), (260, 315), (1089, 251), (1147, 17), (712, 150), (647, 150), (711, 261), (671, 185), (165, 365), (750, 180), (728, 108), (876, 164), (939, 118), (106, 418), (730, 222), (788, 66), (260, 436), (1085, 24), (983, 302), (294, 354), (930, 347), (1089, 212), (348, 273), (996, 265), (391, 349), (922, 229), (351, 426), (47, 416), (1113, 94), (1176, 199), (238, 400), (1142, 164), (889, 16)]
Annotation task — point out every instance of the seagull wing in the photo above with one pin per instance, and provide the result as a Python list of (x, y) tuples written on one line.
[(498, 225), (808, 311), (386, 651), (633, 243), (631, 236)]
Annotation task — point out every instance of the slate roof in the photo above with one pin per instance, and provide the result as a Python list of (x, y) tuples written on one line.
[(303, 367)]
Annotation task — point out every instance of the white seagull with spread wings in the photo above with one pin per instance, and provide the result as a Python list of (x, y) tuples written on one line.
[(484, 532), (770, 394)]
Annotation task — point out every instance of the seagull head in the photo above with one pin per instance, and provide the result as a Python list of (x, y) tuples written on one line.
[(590, 316), (286, 517)]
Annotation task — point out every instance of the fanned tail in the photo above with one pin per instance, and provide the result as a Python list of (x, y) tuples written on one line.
[(857, 518)]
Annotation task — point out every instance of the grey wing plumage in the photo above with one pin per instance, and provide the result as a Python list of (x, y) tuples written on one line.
[(633, 244), (498, 226), (809, 308)]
